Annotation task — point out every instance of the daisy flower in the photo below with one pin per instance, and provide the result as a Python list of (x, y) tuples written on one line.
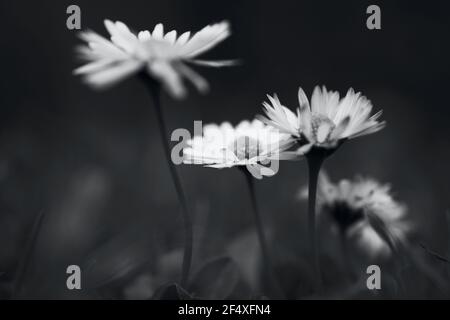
[(353, 206), (327, 122), (319, 129), (165, 57), (250, 144)]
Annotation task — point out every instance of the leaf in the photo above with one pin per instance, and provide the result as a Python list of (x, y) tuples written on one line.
[(216, 279), (428, 271), (112, 262), (142, 287), (168, 265), (245, 251), (433, 254), (356, 290), (407, 253), (171, 291)]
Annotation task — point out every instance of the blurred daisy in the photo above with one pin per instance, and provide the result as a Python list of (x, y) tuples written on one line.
[(353, 206), (327, 122), (250, 144), (164, 56)]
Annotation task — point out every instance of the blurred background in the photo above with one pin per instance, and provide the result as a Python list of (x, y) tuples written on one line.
[(92, 163)]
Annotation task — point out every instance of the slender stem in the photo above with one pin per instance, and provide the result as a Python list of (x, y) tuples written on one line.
[(261, 236), (25, 260), (347, 262), (154, 89), (314, 164)]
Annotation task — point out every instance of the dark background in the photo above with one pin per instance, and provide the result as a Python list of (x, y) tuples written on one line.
[(93, 162)]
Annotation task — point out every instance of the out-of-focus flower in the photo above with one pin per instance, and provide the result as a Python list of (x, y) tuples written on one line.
[(327, 122), (164, 56), (250, 144), (351, 204)]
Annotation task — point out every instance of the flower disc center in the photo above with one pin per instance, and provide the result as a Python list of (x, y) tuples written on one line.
[(321, 127), (344, 214)]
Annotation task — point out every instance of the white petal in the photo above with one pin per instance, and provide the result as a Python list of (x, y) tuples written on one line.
[(113, 74), (144, 35), (99, 47), (304, 113), (183, 38), (122, 27), (215, 64), (121, 36), (171, 36), (255, 171), (302, 99), (206, 39), (220, 165), (340, 129), (317, 100), (266, 171), (199, 82), (304, 149), (92, 67), (158, 32), (369, 130)]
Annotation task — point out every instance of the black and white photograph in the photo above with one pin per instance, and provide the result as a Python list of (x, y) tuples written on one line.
[(232, 151)]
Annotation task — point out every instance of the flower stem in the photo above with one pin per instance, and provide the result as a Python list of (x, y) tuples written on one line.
[(314, 165), (25, 259), (154, 89), (268, 266), (346, 257)]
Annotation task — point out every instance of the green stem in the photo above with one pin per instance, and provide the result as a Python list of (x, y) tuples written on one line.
[(314, 165), (268, 266), (154, 89)]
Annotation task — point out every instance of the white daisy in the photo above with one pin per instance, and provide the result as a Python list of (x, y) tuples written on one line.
[(353, 205), (164, 56), (250, 144), (327, 122)]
